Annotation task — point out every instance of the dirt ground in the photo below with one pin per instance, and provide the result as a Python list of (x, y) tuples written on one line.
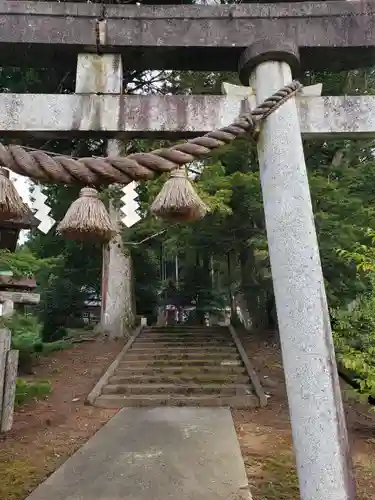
[(47, 432), (265, 433)]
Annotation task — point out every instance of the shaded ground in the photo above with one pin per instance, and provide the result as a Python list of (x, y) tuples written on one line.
[(265, 434), (46, 432)]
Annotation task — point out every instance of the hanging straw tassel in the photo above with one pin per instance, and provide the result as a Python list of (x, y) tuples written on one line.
[(11, 203), (178, 201), (87, 219)]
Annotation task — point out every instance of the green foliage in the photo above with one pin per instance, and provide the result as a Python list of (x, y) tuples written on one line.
[(29, 390), (61, 299), (196, 289), (354, 335), (26, 332), (343, 204), (26, 329), (23, 263), (58, 345), (147, 280), (362, 255), (27, 339), (354, 328), (79, 264)]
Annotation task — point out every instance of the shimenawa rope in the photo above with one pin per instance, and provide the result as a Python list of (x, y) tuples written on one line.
[(46, 168)]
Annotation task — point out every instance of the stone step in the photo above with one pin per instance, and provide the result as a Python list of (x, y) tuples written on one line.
[(156, 344), (208, 333), (154, 400), (164, 361), (170, 344), (182, 390), (180, 354), (210, 347), (186, 327), (187, 333), (179, 328), (125, 370), (179, 378), (185, 340)]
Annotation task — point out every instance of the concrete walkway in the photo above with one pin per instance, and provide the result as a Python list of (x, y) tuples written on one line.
[(155, 454)]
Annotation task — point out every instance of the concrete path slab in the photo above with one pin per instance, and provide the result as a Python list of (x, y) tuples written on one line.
[(155, 454)]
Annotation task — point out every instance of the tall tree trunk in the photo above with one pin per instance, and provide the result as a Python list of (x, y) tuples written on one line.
[(117, 315)]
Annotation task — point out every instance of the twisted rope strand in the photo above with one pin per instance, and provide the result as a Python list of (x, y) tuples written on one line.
[(43, 167)]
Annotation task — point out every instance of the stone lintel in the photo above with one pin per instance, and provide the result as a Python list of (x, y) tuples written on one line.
[(330, 35), (169, 117), (20, 297)]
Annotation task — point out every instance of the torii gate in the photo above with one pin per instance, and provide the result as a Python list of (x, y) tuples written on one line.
[(311, 35)]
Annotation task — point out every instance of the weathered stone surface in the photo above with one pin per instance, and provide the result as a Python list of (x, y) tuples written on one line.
[(155, 454), (269, 49), (333, 35), (169, 116), (9, 390), (20, 297), (5, 342), (104, 74)]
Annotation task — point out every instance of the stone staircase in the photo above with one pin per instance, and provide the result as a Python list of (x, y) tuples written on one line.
[(179, 366)]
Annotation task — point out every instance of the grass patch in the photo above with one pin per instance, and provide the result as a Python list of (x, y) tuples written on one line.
[(19, 475), (277, 479), (14, 475), (27, 391)]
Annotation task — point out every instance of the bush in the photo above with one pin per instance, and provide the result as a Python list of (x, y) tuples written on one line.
[(59, 345), (24, 264), (26, 391), (354, 330), (52, 330), (61, 300), (27, 339), (354, 336)]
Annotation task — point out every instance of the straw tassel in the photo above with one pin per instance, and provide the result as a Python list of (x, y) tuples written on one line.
[(11, 203), (87, 219), (178, 201)]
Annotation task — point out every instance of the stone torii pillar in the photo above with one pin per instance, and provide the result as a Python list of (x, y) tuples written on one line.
[(317, 417), (103, 74)]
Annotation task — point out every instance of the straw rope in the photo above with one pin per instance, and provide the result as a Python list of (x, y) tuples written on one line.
[(46, 168)]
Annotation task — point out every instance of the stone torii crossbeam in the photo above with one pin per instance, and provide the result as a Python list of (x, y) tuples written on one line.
[(169, 117), (305, 35), (332, 35)]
